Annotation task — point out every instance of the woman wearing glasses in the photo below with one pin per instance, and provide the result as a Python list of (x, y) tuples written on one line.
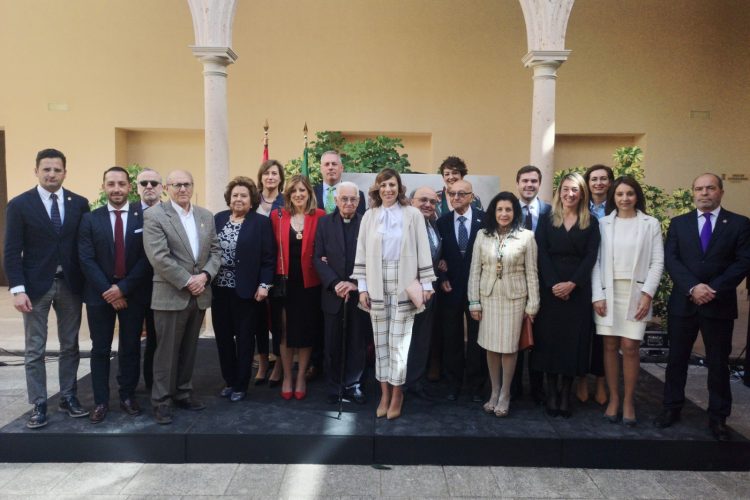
[(503, 289), (393, 255)]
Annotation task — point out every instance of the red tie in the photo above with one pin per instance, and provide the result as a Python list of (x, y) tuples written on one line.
[(119, 246)]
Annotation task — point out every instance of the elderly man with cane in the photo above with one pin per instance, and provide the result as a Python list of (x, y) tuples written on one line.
[(346, 326)]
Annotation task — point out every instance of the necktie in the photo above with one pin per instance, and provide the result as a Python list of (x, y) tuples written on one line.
[(527, 222), (431, 237), (55, 213), (706, 232), (463, 235), (330, 204), (119, 246)]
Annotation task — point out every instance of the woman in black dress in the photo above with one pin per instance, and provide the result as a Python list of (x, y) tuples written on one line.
[(302, 318), (568, 242)]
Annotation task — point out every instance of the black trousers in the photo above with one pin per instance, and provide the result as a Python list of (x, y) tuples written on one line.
[(150, 349), (419, 349), (717, 337), (355, 353), (101, 320), (234, 321), (262, 328), (457, 357)]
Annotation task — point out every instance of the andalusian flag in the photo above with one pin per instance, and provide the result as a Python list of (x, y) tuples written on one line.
[(305, 168), (265, 141)]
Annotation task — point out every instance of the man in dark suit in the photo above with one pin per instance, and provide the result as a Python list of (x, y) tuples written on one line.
[(41, 263), (335, 249), (458, 229), (150, 188), (181, 244), (110, 246), (424, 334), (331, 168), (528, 180), (707, 254)]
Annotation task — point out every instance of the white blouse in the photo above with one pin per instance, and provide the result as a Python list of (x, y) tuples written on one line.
[(625, 245)]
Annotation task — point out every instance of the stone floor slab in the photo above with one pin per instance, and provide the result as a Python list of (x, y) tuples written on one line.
[(628, 483), (38, 479), (329, 480), (413, 481), (471, 482), (255, 480), (522, 482), (181, 479), (98, 478)]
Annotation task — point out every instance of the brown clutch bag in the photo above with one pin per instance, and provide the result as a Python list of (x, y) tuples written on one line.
[(527, 335)]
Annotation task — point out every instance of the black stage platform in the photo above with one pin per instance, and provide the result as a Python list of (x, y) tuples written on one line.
[(266, 429)]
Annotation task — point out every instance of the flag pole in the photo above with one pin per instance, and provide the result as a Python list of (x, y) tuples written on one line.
[(265, 141)]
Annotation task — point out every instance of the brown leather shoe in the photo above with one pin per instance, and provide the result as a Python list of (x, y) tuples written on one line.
[(190, 404), (131, 407), (163, 414), (97, 416)]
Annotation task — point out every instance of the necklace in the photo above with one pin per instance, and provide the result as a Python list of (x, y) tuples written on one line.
[(298, 226), (236, 219), (264, 200), (499, 249)]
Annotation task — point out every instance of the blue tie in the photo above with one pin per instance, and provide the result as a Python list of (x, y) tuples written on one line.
[(463, 235), (706, 232), (55, 213)]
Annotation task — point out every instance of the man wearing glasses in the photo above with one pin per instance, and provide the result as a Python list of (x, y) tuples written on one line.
[(150, 190), (181, 243), (458, 229)]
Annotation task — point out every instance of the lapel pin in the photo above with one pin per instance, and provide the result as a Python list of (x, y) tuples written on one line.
[(201, 224), (135, 213), (724, 221), (69, 198)]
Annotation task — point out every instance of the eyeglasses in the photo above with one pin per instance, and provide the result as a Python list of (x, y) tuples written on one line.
[(427, 200), (458, 194), (153, 184), (179, 185), (348, 199)]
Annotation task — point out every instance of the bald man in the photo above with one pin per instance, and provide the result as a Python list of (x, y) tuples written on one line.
[(181, 243)]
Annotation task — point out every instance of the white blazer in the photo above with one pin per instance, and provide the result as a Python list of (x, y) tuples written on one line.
[(647, 268)]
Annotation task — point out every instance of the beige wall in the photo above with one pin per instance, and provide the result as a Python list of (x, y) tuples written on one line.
[(445, 72)]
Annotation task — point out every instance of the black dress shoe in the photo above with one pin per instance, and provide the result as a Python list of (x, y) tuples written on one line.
[(225, 392), (130, 406), (38, 416), (719, 430), (72, 407), (163, 414), (452, 396), (476, 398), (273, 383), (356, 395), (97, 416), (421, 392), (666, 418), (190, 404)]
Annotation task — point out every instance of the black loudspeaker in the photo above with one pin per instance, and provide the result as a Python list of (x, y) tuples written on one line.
[(654, 347)]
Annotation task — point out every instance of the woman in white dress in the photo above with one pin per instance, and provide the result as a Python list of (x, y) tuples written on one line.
[(503, 289), (624, 281)]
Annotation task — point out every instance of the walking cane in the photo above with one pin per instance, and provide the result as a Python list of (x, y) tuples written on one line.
[(342, 358)]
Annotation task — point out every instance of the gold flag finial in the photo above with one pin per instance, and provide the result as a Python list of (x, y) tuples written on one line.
[(265, 126), (305, 129)]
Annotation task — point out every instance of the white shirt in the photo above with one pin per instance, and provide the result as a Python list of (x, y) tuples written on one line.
[(392, 228), (534, 209), (113, 219), (45, 196), (702, 220), (188, 222), (467, 222)]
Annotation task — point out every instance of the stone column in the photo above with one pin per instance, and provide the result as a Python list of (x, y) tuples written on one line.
[(212, 22), (546, 23)]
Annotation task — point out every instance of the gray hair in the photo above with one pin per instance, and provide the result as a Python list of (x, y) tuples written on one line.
[(146, 169), (348, 184)]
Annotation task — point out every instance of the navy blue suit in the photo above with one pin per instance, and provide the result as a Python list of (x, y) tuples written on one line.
[(235, 310), (454, 306), (33, 251), (723, 266), (336, 242), (96, 249)]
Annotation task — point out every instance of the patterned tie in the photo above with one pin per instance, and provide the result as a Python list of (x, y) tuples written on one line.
[(706, 232), (431, 237), (527, 222), (55, 213), (119, 246), (463, 235), (330, 204)]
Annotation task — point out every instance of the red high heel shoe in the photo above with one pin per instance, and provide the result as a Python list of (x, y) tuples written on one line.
[(300, 394), (286, 395)]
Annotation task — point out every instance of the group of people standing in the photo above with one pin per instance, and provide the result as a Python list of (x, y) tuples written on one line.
[(413, 276)]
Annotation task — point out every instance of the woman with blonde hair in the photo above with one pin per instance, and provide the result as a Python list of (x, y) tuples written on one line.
[(393, 255), (294, 227), (568, 242)]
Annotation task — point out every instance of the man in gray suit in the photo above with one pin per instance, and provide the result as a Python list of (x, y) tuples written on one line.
[(181, 244)]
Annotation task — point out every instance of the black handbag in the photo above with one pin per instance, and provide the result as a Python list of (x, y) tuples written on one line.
[(278, 291)]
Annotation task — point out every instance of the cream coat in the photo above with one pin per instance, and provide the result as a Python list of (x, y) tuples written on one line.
[(415, 261), (520, 278), (647, 269)]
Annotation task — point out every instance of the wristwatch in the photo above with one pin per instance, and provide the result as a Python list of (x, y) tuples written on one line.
[(265, 286)]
